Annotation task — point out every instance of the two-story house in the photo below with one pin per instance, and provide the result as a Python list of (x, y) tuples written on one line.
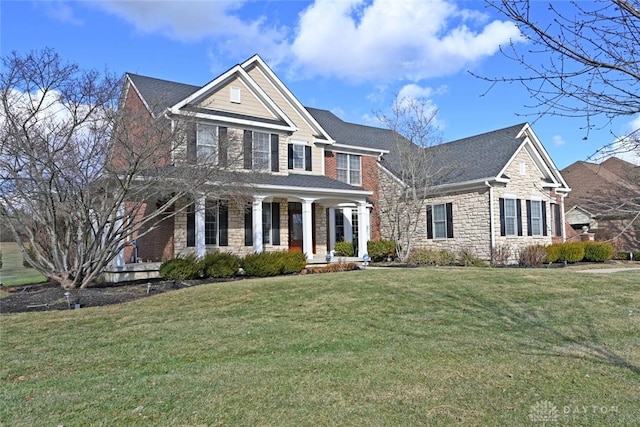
[(314, 179)]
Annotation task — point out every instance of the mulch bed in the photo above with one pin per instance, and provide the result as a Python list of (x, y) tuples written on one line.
[(50, 296)]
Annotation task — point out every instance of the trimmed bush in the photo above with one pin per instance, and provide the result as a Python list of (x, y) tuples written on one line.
[(344, 248), (598, 251), (468, 258), (380, 250), (622, 256), (553, 252), (181, 268), (431, 257), (532, 255), (571, 252), (220, 265), (268, 264), (636, 256)]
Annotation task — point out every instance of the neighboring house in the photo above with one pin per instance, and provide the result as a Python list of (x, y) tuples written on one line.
[(317, 180), (605, 198)]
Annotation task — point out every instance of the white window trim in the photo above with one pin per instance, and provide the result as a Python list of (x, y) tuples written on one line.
[(514, 217), (235, 94), (214, 145), (269, 217), (538, 232), (444, 220), (216, 207), (349, 170), (267, 165), (304, 160)]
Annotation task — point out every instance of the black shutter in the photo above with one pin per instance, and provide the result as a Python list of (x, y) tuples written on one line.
[(275, 223), (307, 158), (191, 226), (503, 229), (275, 153), (248, 149), (519, 215), (222, 146), (558, 220), (529, 231), (192, 145), (248, 226), (223, 217), (544, 218), (429, 223), (449, 207), (290, 156)]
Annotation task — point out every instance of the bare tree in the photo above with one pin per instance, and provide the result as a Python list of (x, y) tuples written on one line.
[(414, 171), (582, 59), (79, 170)]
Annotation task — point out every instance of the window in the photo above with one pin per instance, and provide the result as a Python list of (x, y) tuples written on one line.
[(440, 221), (211, 223), (556, 221), (270, 224), (261, 151), (216, 223), (339, 216), (510, 218), (348, 168), (266, 223), (536, 218), (207, 143), (300, 156), (354, 229)]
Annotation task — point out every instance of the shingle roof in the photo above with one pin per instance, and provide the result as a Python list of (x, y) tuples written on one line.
[(303, 181), (467, 159), (477, 157), (161, 94)]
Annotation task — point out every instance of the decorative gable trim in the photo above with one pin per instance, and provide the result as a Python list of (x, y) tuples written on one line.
[(262, 66), (251, 85)]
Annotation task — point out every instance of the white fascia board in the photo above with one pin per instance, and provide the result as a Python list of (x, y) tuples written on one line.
[(242, 122), (312, 191), (324, 141), (270, 75), (260, 94), (351, 149), (392, 175), (144, 101), (545, 155), (476, 183)]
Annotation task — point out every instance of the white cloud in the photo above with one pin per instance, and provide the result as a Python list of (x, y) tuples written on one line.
[(558, 140), (192, 21), (387, 39), (626, 147)]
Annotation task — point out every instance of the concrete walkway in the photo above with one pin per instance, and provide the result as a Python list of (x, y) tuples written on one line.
[(607, 270)]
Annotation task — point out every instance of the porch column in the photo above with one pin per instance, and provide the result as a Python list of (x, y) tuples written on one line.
[(307, 228), (364, 229), (199, 214), (256, 212), (332, 228), (118, 260)]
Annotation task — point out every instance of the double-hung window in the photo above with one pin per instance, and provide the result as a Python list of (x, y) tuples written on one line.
[(299, 156), (440, 221), (211, 223), (510, 217), (535, 218), (349, 168), (207, 143), (261, 151)]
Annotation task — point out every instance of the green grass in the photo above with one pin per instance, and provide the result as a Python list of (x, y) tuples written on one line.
[(13, 273), (436, 346)]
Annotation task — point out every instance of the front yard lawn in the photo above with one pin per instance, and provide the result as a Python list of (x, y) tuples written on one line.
[(432, 346)]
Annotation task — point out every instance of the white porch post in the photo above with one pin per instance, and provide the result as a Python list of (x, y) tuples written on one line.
[(199, 214), (307, 228), (364, 229), (347, 213), (118, 260), (256, 213), (332, 228)]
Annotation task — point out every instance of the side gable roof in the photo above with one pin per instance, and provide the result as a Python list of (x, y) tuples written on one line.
[(158, 94)]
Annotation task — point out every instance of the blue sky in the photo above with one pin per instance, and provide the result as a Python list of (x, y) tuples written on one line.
[(349, 56)]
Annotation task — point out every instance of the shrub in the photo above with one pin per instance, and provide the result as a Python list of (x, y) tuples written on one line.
[(501, 254), (333, 267), (636, 256), (181, 268), (532, 255), (622, 256), (553, 252), (571, 252), (380, 250), (469, 259), (431, 257), (598, 251), (267, 264), (345, 248), (220, 265)]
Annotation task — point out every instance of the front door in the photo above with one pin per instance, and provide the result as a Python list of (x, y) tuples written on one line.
[(295, 226)]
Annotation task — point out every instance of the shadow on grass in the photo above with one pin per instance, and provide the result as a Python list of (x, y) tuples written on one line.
[(542, 334)]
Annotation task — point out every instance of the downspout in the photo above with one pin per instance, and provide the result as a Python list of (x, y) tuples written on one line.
[(564, 231), (491, 219)]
